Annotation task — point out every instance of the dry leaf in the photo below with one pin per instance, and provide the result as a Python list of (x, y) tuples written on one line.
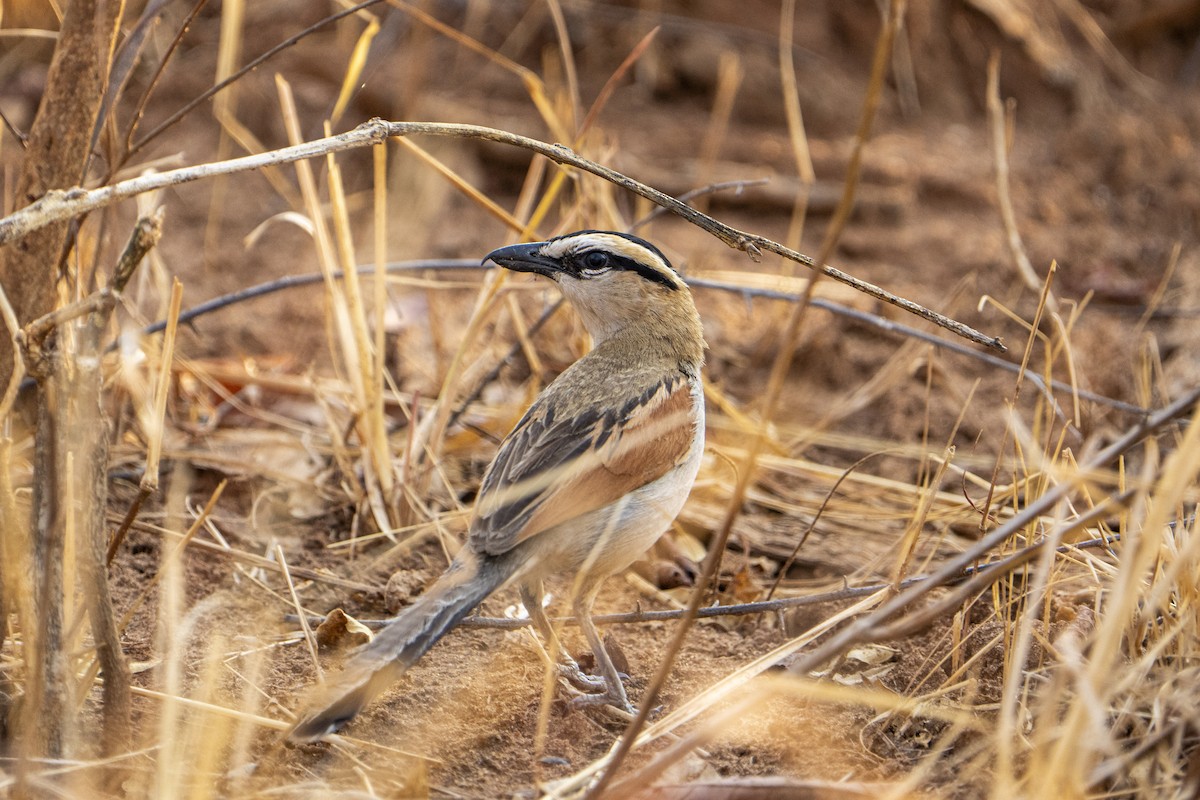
[(340, 631)]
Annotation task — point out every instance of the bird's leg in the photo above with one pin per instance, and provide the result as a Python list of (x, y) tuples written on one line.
[(531, 598), (614, 693)]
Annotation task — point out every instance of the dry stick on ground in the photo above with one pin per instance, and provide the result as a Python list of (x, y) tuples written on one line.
[(783, 570), (884, 618), (55, 206)]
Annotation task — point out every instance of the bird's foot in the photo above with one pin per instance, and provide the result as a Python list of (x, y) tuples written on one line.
[(617, 701), (577, 679), (593, 690)]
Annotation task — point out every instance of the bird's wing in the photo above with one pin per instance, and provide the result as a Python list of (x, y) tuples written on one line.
[(550, 469)]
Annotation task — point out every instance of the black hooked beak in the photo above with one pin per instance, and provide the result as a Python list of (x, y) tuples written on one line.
[(526, 258)]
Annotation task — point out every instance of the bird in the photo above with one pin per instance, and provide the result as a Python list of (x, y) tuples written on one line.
[(595, 471)]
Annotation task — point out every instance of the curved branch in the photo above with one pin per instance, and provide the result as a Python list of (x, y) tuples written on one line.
[(60, 205)]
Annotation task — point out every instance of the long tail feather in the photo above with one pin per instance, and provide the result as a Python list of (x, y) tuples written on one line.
[(400, 645)]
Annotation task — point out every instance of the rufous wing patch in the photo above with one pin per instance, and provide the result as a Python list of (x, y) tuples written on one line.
[(656, 438)]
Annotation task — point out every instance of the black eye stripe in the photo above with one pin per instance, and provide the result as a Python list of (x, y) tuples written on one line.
[(574, 261), (649, 273), (615, 261)]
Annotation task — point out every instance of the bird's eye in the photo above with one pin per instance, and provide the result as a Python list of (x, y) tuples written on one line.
[(595, 260)]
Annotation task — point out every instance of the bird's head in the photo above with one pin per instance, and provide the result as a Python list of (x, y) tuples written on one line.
[(617, 282)]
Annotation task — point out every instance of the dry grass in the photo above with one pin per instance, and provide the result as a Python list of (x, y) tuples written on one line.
[(1065, 668)]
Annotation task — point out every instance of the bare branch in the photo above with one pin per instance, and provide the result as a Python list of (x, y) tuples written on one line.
[(59, 205)]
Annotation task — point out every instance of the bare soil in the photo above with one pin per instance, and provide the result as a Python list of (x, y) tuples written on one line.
[(1105, 181)]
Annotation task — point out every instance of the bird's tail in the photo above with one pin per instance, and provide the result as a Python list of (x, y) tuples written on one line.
[(401, 644)]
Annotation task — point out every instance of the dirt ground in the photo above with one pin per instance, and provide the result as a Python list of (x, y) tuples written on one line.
[(1105, 183)]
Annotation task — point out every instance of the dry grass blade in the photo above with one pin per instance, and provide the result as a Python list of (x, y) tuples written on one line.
[(18, 372), (530, 80), (795, 123), (729, 80), (155, 425), (1083, 20), (1034, 333), (358, 59), (361, 362), (568, 63), (310, 640), (212, 708), (463, 186), (1000, 147)]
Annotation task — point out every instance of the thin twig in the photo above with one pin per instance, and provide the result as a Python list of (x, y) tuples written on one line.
[(22, 138), (140, 109), (771, 606), (803, 537), (177, 553), (15, 380), (495, 371), (450, 264), (36, 332), (146, 235), (250, 67)]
